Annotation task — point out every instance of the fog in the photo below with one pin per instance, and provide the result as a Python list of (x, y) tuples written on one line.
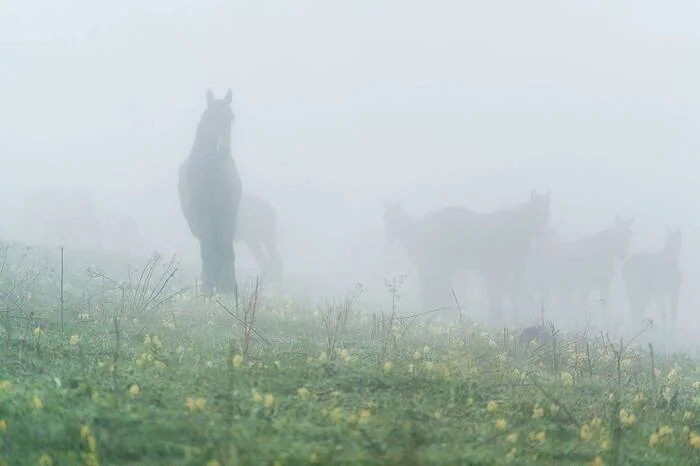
[(341, 106)]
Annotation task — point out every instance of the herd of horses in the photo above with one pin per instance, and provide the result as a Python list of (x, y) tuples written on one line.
[(514, 249), (517, 254)]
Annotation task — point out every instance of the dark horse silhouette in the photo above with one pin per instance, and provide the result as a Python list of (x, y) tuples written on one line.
[(210, 193), (579, 266), (650, 276), (257, 227), (446, 240)]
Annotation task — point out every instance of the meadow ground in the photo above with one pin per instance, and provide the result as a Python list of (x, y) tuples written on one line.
[(139, 374)]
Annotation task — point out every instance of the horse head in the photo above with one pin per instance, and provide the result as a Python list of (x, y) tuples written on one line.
[(673, 242), (621, 236), (396, 220), (214, 129), (537, 212)]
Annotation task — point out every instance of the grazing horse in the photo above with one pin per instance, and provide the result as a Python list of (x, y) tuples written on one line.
[(581, 265), (650, 276), (210, 192), (452, 238), (257, 228)]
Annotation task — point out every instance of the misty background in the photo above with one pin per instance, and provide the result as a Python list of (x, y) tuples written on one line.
[(339, 106)]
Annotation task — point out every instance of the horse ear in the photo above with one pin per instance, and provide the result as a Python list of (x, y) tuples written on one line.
[(229, 97), (210, 96)]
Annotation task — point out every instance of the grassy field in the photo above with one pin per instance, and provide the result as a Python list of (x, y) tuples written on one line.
[(138, 373)]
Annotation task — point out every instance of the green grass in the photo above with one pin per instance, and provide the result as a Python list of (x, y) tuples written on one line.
[(171, 386)]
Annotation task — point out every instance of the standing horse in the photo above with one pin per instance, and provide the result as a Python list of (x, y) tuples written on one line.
[(257, 228), (582, 265), (453, 238), (650, 276), (210, 192)]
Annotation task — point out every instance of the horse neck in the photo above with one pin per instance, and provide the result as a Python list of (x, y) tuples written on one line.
[(670, 253), (204, 143)]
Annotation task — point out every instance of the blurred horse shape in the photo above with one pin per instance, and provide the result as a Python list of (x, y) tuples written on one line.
[(656, 276), (209, 189), (257, 228), (449, 239)]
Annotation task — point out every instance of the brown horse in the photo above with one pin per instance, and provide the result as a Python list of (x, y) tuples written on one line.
[(650, 276), (257, 228), (210, 192), (454, 238), (582, 265)]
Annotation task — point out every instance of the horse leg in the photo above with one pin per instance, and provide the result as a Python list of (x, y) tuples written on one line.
[(495, 292), (207, 273), (673, 310), (431, 286), (227, 281)]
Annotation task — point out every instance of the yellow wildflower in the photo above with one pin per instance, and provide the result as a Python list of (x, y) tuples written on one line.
[(337, 414), (5, 385), (74, 340), (694, 440), (257, 397), (491, 406), (501, 424), (302, 392), (596, 422), (653, 439), (470, 402), (38, 332), (512, 438), (585, 433), (237, 360), (627, 418), (134, 391), (639, 397), (597, 461), (567, 379), (417, 355), (537, 411), (364, 416), (45, 460), (388, 366), (269, 400), (540, 436), (510, 456), (3, 425), (38, 404), (195, 404)]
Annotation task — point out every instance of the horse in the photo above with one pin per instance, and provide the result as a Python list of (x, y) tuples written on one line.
[(257, 228), (209, 188), (648, 276), (581, 265), (452, 238)]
